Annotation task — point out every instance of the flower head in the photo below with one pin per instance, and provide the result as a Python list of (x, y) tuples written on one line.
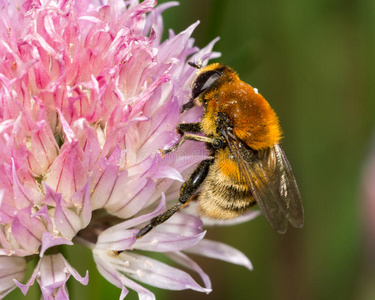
[(88, 95)]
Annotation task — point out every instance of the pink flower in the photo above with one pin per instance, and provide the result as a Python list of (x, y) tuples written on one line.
[(88, 95)]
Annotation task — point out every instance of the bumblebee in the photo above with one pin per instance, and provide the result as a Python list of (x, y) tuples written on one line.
[(242, 133)]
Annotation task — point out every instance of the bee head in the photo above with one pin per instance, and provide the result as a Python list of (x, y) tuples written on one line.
[(207, 79)]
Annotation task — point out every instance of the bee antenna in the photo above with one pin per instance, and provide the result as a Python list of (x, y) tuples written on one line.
[(196, 65)]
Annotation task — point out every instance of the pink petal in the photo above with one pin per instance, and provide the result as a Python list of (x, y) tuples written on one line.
[(51, 197), (25, 287), (75, 274), (28, 230), (89, 143), (60, 293), (23, 196), (220, 251), (68, 221), (158, 274), (11, 268), (183, 224), (132, 72), (44, 215), (204, 54), (181, 231), (109, 272), (129, 198), (167, 242), (116, 239), (81, 202), (6, 246), (157, 20), (102, 183), (52, 272), (164, 119), (188, 263), (120, 237), (43, 145), (142, 218), (142, 168), (160, 169), (175, 45), (67, 174), (116, 192), (147, 95), (160, 141), (49, 241), (165, 171)]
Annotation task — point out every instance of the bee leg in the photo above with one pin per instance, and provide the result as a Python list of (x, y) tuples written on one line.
[(188, 105), (191, 137), (189, 127), (186, 192)]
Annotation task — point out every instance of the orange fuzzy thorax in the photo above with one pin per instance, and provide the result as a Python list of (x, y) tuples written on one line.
[(253, 120)]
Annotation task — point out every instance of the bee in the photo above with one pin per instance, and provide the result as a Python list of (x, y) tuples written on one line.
[(242, 133)]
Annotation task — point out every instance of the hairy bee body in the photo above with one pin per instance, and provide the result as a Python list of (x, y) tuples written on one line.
[(252, 118), (224, 193), (249, 167)]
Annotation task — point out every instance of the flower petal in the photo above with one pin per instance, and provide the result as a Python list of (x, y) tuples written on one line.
[(103, 181), (69, 220), (67, 174), (220, 251), (82, 204), (110, 273), (188, 263), (175, 45), (178, 233), (157, 20), (52, 272), (23, 196), (49, 241), (28, 230), (142, 218), (10, 268), (167, 242), (43, 145), (128, 198), (158, 274), (116, 239), (89, 143)]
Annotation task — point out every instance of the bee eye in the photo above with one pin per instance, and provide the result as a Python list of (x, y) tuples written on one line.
[(203, 82)]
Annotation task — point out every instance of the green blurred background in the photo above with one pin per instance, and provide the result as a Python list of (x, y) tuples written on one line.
[(314, 61)]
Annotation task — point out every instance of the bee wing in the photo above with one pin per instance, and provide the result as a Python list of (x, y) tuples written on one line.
[(271, 182), (289, 193)]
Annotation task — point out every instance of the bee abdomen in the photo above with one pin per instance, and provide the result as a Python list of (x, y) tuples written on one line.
[(222, 198)]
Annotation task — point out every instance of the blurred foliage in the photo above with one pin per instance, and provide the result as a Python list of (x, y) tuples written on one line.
[(314, 61)]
